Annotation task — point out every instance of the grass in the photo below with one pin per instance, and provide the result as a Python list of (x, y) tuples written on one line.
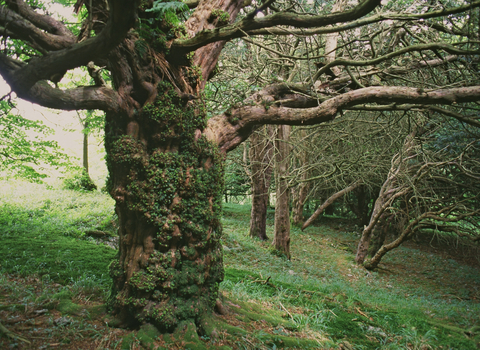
[(54, 283)]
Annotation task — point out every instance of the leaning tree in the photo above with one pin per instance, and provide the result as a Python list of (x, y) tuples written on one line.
[(165, 159)]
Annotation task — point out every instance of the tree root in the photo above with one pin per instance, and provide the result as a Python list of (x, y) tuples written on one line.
[(12, 335)]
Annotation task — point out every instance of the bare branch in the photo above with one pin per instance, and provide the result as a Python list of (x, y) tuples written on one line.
[(241, 28), (234, 126), (23, 29), (122, 18)]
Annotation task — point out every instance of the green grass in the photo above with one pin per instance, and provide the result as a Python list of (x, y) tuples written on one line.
[(42, 232), (420, 300)]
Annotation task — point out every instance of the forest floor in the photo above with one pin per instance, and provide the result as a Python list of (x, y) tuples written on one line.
[(54, 285)]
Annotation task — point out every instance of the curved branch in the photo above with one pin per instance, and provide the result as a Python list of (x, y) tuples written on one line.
[(234, 126), (365, 21), (85, 97), (27, 31), (41, 21), (122, 18), (240, 29), (414, 48)]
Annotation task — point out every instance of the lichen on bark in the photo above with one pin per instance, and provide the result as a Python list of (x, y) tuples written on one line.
[(167, 184)]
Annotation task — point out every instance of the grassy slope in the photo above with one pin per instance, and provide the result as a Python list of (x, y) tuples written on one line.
[(320, 299)]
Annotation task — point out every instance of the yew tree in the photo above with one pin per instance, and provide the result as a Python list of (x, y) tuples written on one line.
[(150, 61)]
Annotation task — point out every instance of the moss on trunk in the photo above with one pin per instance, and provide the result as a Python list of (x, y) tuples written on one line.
[(167, 181)]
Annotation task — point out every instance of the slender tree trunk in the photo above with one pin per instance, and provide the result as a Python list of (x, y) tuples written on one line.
[(281, 241), (85, 149), (379, 233), (389, 192), (261, 153), (300, 193), (299, 199), (86, 181)]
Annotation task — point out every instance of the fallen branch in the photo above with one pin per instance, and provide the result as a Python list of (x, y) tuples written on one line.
[(12, 335)]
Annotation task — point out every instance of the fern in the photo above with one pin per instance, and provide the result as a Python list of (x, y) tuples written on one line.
[(168, 7)]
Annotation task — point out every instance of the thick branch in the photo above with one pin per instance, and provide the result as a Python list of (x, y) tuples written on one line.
[(234, 126), (122, 18), (239, 29), (364, 21), (85, 97), (23, 29)]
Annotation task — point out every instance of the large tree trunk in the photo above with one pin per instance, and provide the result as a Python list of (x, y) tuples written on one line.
[(281, 240), (167, 181), (261, 153)]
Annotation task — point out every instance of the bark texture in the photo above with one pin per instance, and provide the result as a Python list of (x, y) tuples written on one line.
[(261, 159), (167, 181), (281, 240)]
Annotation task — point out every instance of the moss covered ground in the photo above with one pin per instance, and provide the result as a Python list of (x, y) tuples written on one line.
[(54, 284)]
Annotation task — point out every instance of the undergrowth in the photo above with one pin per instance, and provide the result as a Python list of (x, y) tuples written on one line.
[(52, 273)]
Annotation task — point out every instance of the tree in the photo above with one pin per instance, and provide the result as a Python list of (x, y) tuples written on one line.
[(261, 164), (165, 159), (426, 189)]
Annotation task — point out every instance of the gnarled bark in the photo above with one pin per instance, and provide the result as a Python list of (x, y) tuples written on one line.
[(261, 160), (281, 240)]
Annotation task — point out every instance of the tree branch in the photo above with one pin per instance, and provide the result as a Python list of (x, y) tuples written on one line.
[(122, 18), (364, 21), (241, 28), (27, 31), (85, 97), (414, 48), (234, 126), (329, 201)]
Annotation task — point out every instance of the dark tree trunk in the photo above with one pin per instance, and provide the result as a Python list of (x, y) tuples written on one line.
[(261, 160), (167, 181), (86, 182), (360, 205), (281, 241)]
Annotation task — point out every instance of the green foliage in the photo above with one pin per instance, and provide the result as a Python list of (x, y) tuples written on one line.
[(79, 180), (24, 149), (162, 7), (174, 186)]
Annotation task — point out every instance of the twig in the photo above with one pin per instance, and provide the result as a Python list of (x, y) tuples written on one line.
[(283, 307), (361, 313)]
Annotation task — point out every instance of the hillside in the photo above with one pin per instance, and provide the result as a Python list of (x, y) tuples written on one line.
[(54, 284)]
